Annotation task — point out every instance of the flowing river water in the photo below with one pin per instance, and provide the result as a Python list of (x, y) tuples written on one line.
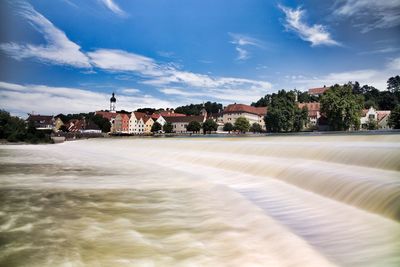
[(266, 201)]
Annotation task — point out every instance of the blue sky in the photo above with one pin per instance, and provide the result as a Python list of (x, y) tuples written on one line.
[(70, 55)]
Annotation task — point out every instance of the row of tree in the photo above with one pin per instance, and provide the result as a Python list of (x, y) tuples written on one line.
[(208, 126), (242, 125), (194, 109), (14, 129)]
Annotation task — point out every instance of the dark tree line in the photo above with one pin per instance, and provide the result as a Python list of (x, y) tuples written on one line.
[(194, 109)]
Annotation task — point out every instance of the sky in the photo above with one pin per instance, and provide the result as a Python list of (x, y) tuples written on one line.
[(68, 56)]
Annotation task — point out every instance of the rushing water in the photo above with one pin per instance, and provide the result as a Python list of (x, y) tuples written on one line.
[(268, 201)]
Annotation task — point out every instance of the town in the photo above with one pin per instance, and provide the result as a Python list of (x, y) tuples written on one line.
[(237, 118)]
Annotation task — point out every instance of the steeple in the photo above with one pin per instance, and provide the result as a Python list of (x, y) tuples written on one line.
[(203, 111), (113, 100)]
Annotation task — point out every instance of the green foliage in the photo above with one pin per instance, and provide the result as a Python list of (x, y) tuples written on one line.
[(148, 111), (168, 127), (393, 84), (242, 124), (228, 127), (194, 126), (394, 119), (209, 126), (194, 109), (156, 127), (283, 114), (342, 107), (14, 129), (256, 128), (63, 128), (372, 124)]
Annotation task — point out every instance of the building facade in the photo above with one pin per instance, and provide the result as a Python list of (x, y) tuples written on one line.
[(180, 123), (253, 114)]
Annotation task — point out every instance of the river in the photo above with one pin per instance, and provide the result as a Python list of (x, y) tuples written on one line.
[(265, 201)]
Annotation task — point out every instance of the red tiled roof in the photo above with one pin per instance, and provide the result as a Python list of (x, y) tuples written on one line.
[(237, 108), (184, 119), (36, 118), (312, 107), (146, 118), (171, 114), (382, 114), (140, 115), (317, 91), (155, 116), (75, 125), (106, 114)]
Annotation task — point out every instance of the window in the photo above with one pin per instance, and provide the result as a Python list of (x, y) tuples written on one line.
[(371, 117)]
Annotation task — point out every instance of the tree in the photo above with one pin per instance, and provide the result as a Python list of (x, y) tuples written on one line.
[(168, 127), (209, 126), (283, 114), (103, 123), (372, 124), (342, 108), (194, 109), (256, 128), (393, 84), (242, 124), (63, 128), (156, 127), (394, 119), (228, 127), (194, 126)]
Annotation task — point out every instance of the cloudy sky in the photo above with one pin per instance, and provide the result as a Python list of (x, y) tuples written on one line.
[(70, 55)]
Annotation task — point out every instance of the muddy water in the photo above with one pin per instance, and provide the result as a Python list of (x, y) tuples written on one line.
[(269, 201)]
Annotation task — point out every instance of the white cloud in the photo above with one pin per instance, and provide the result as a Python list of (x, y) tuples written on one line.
[(370, 14), (241, 41), (129, 91), (111, 5), (58, 50), (315, 34), (20, 99), (373, 77), (242, 54), (119, 60)]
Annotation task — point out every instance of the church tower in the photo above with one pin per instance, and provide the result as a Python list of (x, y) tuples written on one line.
[(113, 100), (203, 111)]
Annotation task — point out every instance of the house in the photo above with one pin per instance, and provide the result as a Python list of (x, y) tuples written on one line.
[(313, 112), (158, 118), (253, 114), (136, 123), (148, 123), (180, 123), (381, 117), (110, 116), (75, 126), (57, 124), (121, 124), (41, 122), (317, 91), (91, 127)]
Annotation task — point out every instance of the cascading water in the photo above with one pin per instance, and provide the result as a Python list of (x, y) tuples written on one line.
[(267, 201)]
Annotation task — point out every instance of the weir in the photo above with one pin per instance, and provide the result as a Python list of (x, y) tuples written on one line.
[(276, 201)]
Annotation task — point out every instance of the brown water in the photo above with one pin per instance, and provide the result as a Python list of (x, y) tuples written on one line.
[(269, 201)]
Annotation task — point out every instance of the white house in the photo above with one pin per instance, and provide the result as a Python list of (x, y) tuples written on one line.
[(136, 123), (380, 116), (253, 114)]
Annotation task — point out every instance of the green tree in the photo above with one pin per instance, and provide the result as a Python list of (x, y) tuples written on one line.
[(393, 84), (242, 124), (372, 124), (394, 119), (342, 108), (283, 114), (256, 128), (209, 126), (168, 127), (156, 127), (194, 126), (228, 127)]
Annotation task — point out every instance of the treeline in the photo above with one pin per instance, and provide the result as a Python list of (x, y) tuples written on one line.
[(101, 122), (194, 109), (14, 129)]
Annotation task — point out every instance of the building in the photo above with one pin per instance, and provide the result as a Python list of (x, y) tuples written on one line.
[(75, 126), (381, 117), (136, 123), (313, 112), (317, 91), (57, 124), (148, 123), (41, 122), (158, 118), (113, 102), (121, 123), (180, 123), (253, 114)]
